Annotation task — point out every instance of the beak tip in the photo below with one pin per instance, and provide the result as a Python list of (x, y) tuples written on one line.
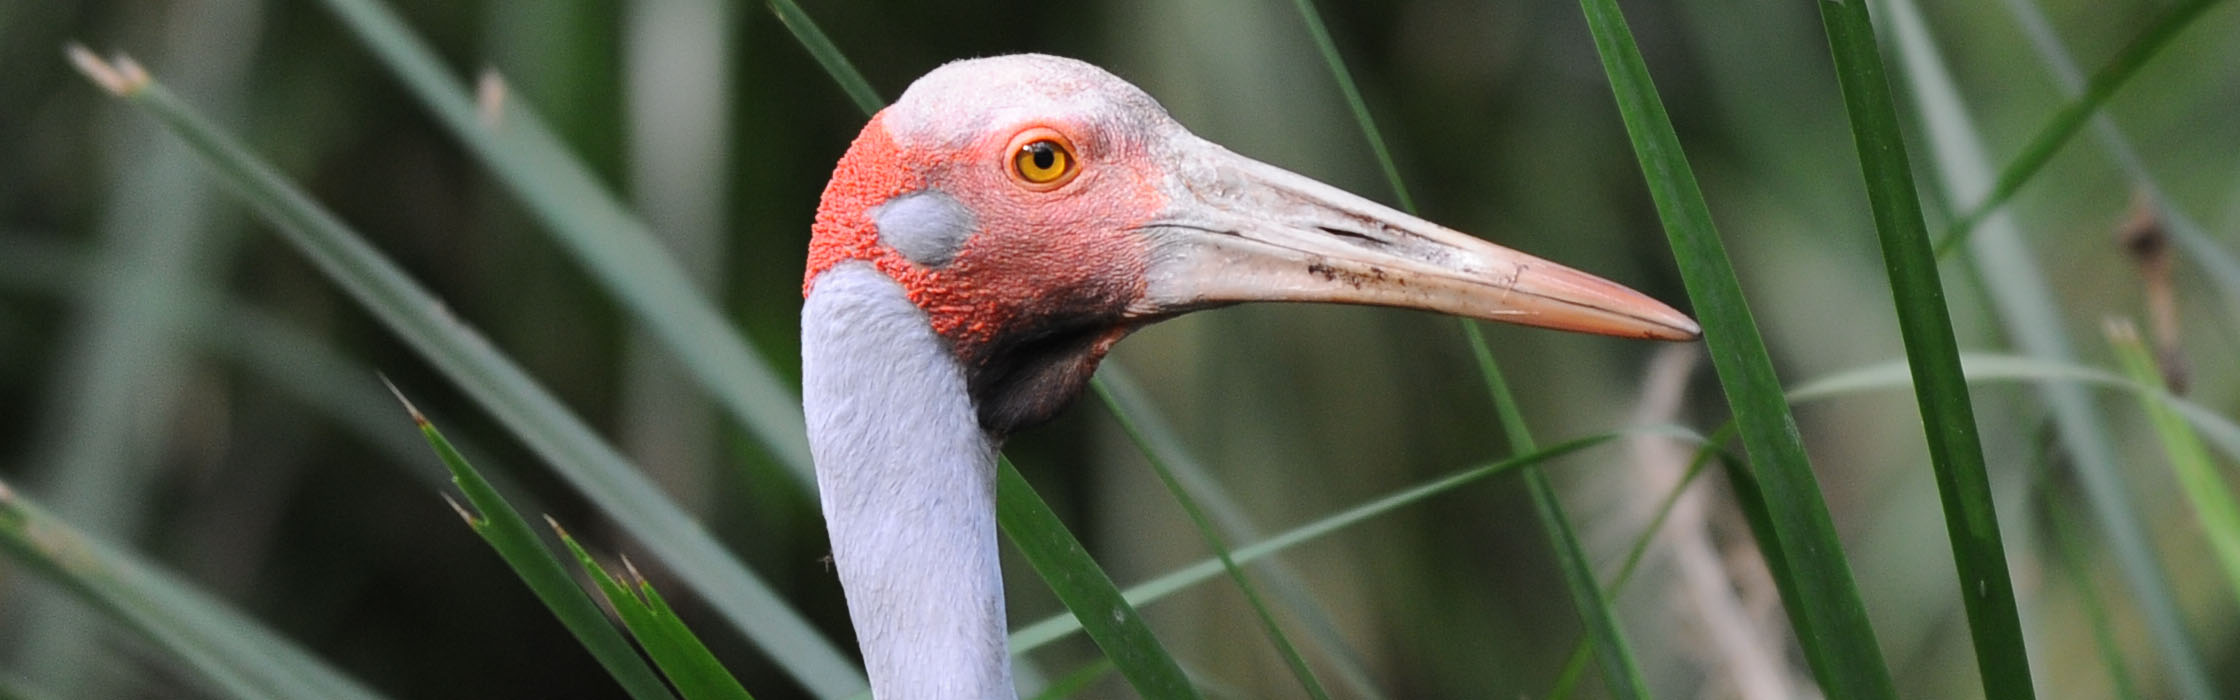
[(1673, 326)]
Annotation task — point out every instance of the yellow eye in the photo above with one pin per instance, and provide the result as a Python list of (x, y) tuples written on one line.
[(1042, 159)]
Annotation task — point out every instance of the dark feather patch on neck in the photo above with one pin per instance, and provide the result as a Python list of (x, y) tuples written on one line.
[(1028, 381)]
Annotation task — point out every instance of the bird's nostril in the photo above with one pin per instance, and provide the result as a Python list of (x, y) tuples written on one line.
[(1354, 235)]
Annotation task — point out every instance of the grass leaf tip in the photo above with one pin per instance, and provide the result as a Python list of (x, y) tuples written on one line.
[(417, 418), (490, 96), (120, 75), (464, 514)]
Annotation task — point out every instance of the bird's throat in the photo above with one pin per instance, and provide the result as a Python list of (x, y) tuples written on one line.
[(907, 480)]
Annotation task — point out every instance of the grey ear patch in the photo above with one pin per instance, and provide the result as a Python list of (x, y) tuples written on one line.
[(926, 226)]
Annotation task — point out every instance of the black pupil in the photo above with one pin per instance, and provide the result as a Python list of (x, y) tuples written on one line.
[(1044, 155)]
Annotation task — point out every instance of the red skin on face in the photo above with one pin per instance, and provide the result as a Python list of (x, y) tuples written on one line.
[(1038, 257)]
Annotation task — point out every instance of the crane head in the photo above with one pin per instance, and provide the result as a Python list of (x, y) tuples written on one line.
[(1038, 209)]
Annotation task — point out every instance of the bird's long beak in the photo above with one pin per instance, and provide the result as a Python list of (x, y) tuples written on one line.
[(1238, 230)]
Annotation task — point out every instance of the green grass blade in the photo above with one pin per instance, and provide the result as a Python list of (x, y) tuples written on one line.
[(14, 687), (1214, 541), (1079, 680), (2210, 254), (2067, 546), (1575, 667), (1085, 589), (1948, 417), (1982, 368), (681, 656), (1803, 553), (163, 231), (615, 246), (1620, 673), (1161, 442), (2071, 118), (229, 650), (2197, 473), (571, 447), (1033, 636), (820, 47), (497, 523), (710, 678), (1619, 669), (1352, 93), (2021, 297)]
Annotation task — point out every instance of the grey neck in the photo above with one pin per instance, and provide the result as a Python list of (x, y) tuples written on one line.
[(907, 480)]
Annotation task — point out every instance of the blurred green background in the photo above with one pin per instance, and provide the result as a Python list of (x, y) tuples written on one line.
[(169, 376)]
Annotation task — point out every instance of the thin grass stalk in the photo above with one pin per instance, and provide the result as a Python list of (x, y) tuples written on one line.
[(1620, 671), (821, 48), (509, 535), (270, 350), (2022, 299), (1085, 589), (500, 386), (2071, 118), (2221, 265), (120, 377), (1160, 441), (683, 659), (2067, 548), (1983, 368), (1034, 636), (1075, 681), (677, 73), (1925, 325), (593, 226), (2197, 473), (1214, 541), (1575, 666), (1799, 540), (224, 648), (1338, 71)]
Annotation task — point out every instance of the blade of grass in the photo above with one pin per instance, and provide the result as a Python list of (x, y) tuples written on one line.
[(1160, 441), (1214, 541), (682, 658), (14, 687), (2067, 546), (1621, 675), (572, 448), (2071, 118), (820, 47), (2222, 266), (1800, 542), (1033, 636), (616, 247), (268, 348), (121, 373), (1982, 368), (1925, 325), (2197, 473), (1085, 589), (1620, 671), (2023, 301), (230, 651), (1575, 667), (1079, 680), (497, 523), (1329, 49)]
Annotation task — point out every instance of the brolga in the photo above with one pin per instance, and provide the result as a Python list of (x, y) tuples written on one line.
[(983, 243)]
